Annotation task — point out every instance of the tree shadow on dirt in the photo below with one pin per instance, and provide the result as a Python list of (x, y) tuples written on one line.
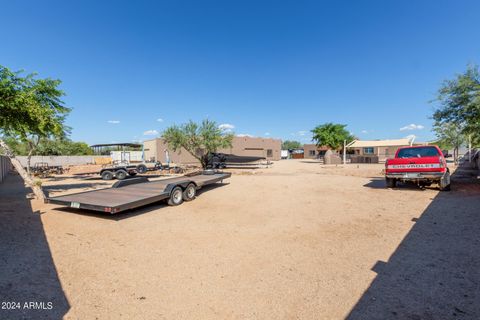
[(27, 271), (435, 272), (134, 212)]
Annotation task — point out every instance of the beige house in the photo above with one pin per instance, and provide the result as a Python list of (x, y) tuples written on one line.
[(377, 150), (241, 146), (312, 151)]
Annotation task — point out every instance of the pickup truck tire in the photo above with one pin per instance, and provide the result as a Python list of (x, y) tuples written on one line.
[(441, 185), (190, 192), (176, 197), (121, 174), (107, 175), (391, 182), (141, 168), (446, 188)]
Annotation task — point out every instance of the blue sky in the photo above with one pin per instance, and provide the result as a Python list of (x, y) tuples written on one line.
[(269, 68)]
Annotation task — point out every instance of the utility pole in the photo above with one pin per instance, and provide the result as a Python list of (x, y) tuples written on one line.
[(344, 152)]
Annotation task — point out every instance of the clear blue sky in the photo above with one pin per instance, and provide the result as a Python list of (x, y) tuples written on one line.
[(269, 68)]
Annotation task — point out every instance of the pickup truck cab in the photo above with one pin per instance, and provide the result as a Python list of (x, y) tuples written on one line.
[(422, 165)]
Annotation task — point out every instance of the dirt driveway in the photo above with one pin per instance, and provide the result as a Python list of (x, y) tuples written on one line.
[(295, 241)]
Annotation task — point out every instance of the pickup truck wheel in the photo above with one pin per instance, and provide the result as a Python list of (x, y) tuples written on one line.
[(141, 168), (190, 192), (391, 182), (121, 174), (446, 188), (107, 175), (176, 197), (441, 184)]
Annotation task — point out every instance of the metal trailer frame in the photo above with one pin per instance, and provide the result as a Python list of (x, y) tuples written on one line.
[(127, 194)]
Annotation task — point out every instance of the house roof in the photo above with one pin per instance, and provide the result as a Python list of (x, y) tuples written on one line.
[(380, 143)]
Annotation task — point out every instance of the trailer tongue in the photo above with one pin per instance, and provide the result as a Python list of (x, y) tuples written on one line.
[(137, 192)]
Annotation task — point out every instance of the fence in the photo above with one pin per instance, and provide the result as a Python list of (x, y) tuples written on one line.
[(5, 167), (63, 160)]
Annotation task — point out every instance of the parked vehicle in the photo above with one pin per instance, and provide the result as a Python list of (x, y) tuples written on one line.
[(137, 192), (44, 170), (120, 172), (423, 165)]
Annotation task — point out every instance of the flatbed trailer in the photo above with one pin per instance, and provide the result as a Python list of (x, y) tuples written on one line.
[(137, 192)]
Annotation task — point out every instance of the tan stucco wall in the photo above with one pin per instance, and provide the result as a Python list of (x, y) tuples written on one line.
[(241, 146), (309, 147), (383, 153)]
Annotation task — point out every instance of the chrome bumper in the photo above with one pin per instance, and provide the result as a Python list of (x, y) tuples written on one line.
[(415, 175)]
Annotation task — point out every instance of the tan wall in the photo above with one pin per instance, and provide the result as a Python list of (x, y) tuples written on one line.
[(307, 148), (382, 153), (241, 146)]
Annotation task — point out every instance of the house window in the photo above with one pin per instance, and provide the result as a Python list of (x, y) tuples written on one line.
[(311, 153), (368, 150), (269, 153)]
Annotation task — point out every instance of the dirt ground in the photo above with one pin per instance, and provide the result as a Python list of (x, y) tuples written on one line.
[(299, 240)]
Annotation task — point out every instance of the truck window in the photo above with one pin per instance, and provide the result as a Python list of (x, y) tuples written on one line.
[(418, 152)]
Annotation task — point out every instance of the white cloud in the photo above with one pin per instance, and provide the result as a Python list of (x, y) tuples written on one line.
[(160, 120), (244, 135), (113, 121), (150, 133), (267, 133), (363, 131), (412, 126), (302, 133), (227, 127)]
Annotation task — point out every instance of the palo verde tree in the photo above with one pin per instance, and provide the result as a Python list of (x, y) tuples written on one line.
[(331, 135), (198, 139), (30, 109), (459, 105)]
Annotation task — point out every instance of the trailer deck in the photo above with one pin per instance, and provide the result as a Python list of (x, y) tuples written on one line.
[(125, 195)]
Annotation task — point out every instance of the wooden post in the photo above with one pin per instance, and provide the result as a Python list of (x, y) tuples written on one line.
[(37, 190)]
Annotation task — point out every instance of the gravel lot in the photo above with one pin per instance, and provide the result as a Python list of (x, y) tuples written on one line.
[(296, 241)]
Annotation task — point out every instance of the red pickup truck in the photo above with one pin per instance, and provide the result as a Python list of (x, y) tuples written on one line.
[(423, 165)]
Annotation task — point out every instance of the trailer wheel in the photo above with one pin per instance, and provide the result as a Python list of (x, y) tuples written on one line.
[(176, 197), (141, 168), (107, 175), (391, 182), (121, 174), (190, 192)]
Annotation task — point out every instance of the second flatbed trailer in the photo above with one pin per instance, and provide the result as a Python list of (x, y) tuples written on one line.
[(137, 192)]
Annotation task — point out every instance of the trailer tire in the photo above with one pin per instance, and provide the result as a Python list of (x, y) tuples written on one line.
[(190, 192), (107, 175), (121, 174), (176, 197), (391, 182), (141, 168)]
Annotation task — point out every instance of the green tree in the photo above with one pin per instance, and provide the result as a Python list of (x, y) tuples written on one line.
[(459, 101), (331, 135), (198, 139), (449, 136), (30, 109), (291, 144)]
